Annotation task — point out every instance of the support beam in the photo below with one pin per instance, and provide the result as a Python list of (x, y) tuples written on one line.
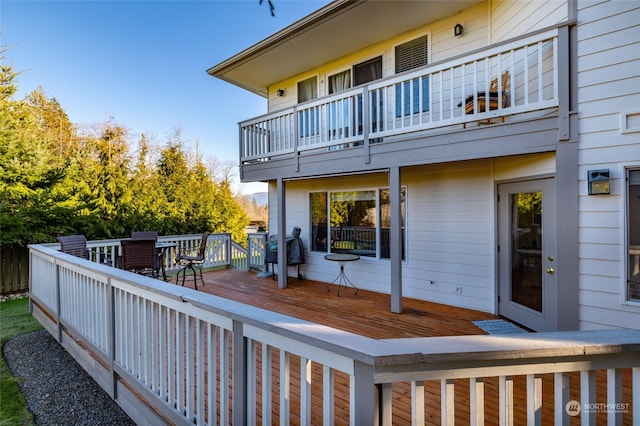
[(395, 239), (282, 234)]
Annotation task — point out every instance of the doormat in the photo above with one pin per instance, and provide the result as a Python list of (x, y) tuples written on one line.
[(499, 326)]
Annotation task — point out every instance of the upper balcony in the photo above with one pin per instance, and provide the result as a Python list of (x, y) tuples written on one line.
[(520, 76)]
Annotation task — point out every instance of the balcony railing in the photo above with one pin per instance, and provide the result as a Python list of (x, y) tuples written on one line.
[(185, 357), (524, 74)]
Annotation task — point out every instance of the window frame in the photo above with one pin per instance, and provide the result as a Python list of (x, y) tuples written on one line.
[(378, 217), (627, 235)]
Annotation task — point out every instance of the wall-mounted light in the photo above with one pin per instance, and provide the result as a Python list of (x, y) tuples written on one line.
[(457, 30), (280, 92), (599, 181)]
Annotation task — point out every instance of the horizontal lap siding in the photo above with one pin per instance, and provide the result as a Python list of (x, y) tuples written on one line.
[(608, 83), (512, 18), (450, 235)]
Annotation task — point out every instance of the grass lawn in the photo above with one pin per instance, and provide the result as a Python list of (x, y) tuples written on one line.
[(15, 319)]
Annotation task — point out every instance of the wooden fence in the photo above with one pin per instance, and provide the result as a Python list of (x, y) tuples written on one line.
[(14, 269)]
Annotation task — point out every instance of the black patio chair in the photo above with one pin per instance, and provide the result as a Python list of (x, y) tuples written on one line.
[(139, 256), (192, 259), (76, 245)]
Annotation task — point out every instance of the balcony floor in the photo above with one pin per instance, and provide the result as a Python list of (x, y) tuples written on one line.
[(367, 313)]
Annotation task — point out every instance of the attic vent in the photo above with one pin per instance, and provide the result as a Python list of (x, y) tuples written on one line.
[(412, 54), (630, 122)]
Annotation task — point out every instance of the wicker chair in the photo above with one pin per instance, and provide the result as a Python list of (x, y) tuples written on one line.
[(190, 259), (145, 235), (76, 245), (139, 256)]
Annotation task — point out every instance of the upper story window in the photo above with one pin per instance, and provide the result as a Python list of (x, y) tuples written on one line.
[(633, 235), (412, 54), (412, 97), (307, 89), (367, 71), (340, 81)]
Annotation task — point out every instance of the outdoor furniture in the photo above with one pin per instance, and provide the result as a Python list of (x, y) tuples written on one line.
[(342, 280), (492, 100), (145, 235), (139, 256), (192, 259), (295, 251), (161, 249), (76, 245)]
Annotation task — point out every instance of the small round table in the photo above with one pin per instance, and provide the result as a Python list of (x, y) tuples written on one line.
[(342, 259)]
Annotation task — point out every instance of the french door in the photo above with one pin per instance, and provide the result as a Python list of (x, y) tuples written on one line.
[(527, 257)]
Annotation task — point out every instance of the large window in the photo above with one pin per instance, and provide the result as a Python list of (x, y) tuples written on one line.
[(353, 222), (633, 229)]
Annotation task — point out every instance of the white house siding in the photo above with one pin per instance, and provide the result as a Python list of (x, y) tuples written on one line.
[(510, 18), (608, 84), (442, 45), (450, 228)]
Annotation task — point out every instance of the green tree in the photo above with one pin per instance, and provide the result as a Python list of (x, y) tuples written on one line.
[(28, 173)]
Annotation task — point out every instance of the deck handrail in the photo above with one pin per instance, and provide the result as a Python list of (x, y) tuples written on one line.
[(427, 98), (158, 350)]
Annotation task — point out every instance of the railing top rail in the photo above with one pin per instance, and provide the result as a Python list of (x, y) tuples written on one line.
[(447, 349)]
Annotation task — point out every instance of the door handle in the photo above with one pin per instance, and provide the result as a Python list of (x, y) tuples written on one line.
[(550, 270)]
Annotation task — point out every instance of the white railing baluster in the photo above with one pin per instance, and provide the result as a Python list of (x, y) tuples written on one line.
[(534, 399), (305, 391), (285, 386), (560, 398), (447, 402), (476, 400), (212, 378), (417, 402), (506, 400), (267, 384), (587, 396), (223, 378), (614, 396), (327, 395)]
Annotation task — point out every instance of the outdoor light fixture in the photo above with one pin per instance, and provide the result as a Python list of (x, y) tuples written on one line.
[(599, 182), (280, 92), (457, 30)]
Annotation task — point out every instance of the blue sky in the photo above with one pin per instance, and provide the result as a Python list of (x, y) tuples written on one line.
[(143, 63)]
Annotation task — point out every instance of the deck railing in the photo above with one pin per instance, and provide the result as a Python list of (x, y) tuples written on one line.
[(171, 354), (221, 250), (524, 72)]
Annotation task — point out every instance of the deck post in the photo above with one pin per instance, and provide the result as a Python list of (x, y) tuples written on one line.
[(395, 239), (282, 234), (239, 380), (364, 399)]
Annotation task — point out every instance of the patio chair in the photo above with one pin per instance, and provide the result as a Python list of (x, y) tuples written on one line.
[(139, 256), (492, 100), (192, 259), (76, 245), (145, 235)]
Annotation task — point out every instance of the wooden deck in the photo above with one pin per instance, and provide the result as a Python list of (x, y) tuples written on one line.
[(369, 314)]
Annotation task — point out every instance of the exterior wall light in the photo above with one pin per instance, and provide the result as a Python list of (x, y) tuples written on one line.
[(599, 181), (457, 30), (280, 92)]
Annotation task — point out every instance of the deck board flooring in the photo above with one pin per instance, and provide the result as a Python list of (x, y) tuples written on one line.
[(369, 314)]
